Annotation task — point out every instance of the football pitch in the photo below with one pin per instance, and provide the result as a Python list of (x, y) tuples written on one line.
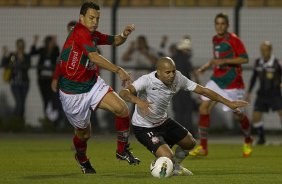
[(49, 159)]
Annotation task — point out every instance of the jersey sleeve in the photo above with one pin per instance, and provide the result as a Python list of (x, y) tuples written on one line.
[(104, 39), (83, 39), (185, 83), (239, 48), (141, 83), (57, 72)]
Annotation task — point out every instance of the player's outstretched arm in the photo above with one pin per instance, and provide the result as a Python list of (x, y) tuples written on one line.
[(204, 67), (216, 97), (106, 64), (121, 38), (233, 61), (129, 95)]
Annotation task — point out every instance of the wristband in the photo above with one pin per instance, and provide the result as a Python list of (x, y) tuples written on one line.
[(123, 36)]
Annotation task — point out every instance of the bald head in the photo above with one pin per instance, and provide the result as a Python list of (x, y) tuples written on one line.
[(166, 70), (266, 44), (266, 50), (165, 62)]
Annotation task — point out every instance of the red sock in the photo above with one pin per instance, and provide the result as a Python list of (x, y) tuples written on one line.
[(245, 126), (122, 127), (204, 124), (81, 147)]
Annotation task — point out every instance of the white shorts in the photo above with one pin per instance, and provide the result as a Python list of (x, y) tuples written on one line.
[(230, 94), (77, 107)]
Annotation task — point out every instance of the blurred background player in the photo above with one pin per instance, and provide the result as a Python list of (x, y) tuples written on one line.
[(269, 72), (82, 89), (151, 95), (229, 53)]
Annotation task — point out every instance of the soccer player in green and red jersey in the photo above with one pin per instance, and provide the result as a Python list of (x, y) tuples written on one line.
[(81, 89), (229, 53)]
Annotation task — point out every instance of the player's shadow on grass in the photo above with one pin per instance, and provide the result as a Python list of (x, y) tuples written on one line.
[(51, 176), (135, 175)]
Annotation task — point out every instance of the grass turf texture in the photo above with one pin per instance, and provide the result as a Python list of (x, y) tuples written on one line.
[(50, 160)]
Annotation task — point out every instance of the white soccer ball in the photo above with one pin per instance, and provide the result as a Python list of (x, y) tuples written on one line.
[(162, 167)]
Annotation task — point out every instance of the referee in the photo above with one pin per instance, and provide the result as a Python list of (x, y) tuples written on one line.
[(269, 72)]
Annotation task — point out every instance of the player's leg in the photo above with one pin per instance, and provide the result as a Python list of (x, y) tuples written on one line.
[(239, 94), (245, 125), (153, 140), (203, 126), (112, 102), (261, 105), (79, 116), (246, 129), (175, 133), (276, 103), (258, 126), (80, 143), (204, 120), (184, 146), (181, 152)]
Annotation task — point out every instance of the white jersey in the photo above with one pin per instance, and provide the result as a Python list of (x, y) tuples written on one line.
[(150, 88)]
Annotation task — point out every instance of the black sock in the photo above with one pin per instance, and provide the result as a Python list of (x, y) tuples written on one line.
[(260, 131)]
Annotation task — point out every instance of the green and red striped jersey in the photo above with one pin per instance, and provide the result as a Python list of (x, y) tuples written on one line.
[(228, 76), (77, 73)]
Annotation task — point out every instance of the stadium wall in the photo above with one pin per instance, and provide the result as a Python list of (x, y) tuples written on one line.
[(257, 24)]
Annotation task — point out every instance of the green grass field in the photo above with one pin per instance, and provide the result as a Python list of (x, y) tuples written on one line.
[(49, 160)]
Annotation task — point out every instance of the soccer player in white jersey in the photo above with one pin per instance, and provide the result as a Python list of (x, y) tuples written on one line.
[(151, 95)]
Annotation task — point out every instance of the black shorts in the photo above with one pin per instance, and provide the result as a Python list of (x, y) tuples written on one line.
[(264, 104), (170, 132)]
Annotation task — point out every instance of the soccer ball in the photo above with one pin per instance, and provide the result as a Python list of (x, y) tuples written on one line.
[(162, 167)]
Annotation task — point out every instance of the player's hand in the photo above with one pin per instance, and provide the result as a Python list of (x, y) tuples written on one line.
[(128, 30), (235, 105), (54, 85), (281, 85), (203, 68), (144, 107), (124, 77)]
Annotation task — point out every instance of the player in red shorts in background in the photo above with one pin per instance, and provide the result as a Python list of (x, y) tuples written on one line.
[(229, 53), (81, 89)]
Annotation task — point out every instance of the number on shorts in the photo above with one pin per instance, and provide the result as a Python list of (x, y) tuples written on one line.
[(150, 134)]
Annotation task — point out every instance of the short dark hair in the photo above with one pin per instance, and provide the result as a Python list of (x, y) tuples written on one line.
[(87, 5), (222, 15), (72, 23)]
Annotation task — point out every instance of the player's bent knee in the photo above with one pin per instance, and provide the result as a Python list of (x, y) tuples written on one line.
[(204, 108), (86, 136), (193, 143), (188, 143), (83, 134)]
